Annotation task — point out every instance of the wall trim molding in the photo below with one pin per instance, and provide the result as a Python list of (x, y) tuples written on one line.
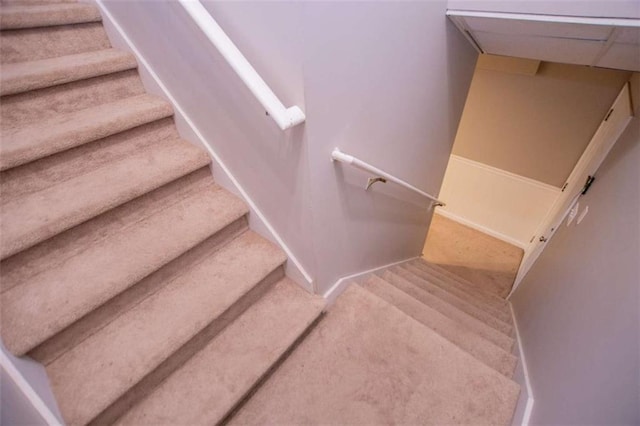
[(481, 228), (221, 173), (341, 284), (526, 417), (28, 391), (513, 176)]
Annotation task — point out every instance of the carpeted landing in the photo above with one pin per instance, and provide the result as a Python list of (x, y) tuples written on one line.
[(135, 280)]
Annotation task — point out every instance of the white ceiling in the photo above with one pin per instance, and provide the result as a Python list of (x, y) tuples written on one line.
[(602, 42)]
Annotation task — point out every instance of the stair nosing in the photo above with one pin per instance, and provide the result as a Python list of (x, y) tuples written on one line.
[(120, 194), (248, 385), (142, 109), (461, 316), (500, 313), (63, 322), (474, 308), (64, 69), (14, 10), (463, 282), (276, 262), (488, 345)]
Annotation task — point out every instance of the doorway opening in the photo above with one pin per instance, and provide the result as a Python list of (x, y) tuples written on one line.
[(530, 132)]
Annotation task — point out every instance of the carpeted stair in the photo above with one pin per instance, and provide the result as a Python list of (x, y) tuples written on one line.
[(412, 344), (125, 269), (135, 280)]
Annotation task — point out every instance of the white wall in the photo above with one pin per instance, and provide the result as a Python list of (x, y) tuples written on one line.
[(384, 81), (499, 203), (577, 308)]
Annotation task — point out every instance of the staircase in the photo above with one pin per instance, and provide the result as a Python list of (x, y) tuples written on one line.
[(135, 280), (126, 271), (413, 344)]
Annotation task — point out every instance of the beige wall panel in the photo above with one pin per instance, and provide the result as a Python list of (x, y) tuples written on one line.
[(535, 126)]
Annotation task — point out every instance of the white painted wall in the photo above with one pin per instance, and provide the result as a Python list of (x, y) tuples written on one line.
[(384, 81), (494, 201), (577, 308)]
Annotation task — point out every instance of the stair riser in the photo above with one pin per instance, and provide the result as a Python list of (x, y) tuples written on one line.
[(49, 42), (456, 333), (43, 17), (62, 168), (65, 138), (23, 77), (145, 386), (93, 322), (484, 330), (25, 266), (462, 284), (462, 294), (274, 367), (32, 107), (25, 230), (194, 219), (461, 304)]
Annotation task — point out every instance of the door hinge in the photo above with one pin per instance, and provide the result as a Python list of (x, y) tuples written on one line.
[(564, 186)]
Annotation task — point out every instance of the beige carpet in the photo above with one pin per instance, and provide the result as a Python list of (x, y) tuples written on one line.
[(482, 259), (370, 363), (125, 269), (135, 280)]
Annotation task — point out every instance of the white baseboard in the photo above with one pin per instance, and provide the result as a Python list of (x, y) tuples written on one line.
[(190, 131), (528, 409), (480, 228), (341, 285), (22, 383)]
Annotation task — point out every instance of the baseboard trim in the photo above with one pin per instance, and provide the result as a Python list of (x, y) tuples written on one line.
[(188, 129), (480, 228), (28, 391), (526, 417), (341, 284)]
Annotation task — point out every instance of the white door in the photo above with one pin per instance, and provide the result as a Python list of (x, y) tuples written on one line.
[(612, 126)]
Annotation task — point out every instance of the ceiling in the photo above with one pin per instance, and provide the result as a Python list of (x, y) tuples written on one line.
[(601, 42)]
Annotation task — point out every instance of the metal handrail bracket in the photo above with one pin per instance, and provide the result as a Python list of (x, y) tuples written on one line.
[(283, 116), (338, 155)]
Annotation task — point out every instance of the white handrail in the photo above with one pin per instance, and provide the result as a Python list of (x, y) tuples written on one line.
[(283, 116), (338, 155)]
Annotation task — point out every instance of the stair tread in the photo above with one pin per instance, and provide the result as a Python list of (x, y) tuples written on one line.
[(210, 384), (77, 198), (24, 76), (43, 43), (49, 286), (471, 309), (369, 363), (25, 109), (66, 131), (445, 284), (92, 375), (17, 16), (454, 331), (462, 283), (478, 326)]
